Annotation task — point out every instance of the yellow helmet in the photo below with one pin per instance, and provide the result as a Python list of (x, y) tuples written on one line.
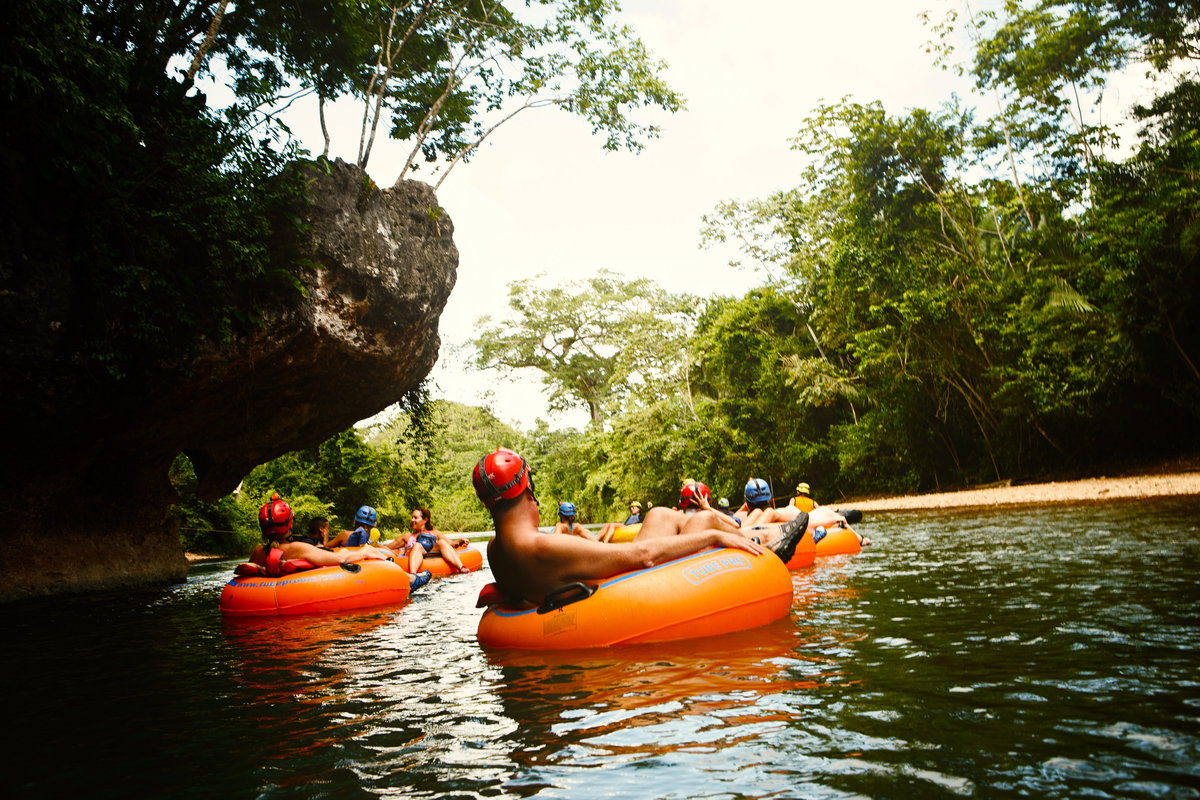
[(802, 488)]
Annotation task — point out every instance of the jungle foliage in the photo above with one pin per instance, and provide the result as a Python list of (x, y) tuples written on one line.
[(957, 296), (123, 186), (996, 297), (954, 298), (167, 212), (423, 456)]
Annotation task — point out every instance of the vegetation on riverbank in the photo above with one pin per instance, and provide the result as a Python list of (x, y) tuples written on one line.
[(957, 296)]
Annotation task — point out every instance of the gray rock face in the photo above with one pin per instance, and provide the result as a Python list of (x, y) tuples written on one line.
[(91, 513)]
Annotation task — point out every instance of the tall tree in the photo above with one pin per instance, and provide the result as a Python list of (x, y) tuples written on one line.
[(441, 75), (594, 341), (171, 208)]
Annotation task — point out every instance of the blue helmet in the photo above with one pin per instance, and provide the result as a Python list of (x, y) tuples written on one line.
[(366, 516), (757, 491), (566, 509)]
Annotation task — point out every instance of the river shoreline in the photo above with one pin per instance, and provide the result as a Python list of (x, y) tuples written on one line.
[(1178, 478)]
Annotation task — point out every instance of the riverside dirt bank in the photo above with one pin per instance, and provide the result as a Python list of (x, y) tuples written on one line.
[(1180, 480)]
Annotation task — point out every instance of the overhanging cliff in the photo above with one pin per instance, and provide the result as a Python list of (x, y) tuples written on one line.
[(85, 472)]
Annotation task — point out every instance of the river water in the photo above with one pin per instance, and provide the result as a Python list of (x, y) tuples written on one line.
[(1039, 653)]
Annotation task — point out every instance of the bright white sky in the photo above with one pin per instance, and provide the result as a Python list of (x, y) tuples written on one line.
[(544, 196)]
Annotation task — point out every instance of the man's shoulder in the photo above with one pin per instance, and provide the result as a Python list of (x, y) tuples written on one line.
[(518, 531)]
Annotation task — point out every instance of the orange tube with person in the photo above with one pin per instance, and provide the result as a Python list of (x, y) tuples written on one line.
[(337, 588), (469, 555), (839, 541), (707, 593)]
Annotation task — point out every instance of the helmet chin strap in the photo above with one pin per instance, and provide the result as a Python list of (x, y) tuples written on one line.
[(502, 462)]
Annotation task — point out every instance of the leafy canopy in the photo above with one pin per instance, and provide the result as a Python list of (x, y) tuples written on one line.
[(596, 341)]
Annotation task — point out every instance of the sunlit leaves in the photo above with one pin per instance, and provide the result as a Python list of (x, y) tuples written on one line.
[(595, 341)]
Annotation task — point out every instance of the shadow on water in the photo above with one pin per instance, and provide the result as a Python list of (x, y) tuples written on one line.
[(1036, 653)]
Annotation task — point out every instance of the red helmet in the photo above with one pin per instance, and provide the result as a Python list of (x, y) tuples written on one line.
[(275, 517), (501, 475), (691, 493)]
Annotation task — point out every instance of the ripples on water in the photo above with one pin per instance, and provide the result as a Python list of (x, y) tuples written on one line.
[(1038, 653)]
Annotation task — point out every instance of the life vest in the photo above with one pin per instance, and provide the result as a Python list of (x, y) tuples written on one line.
[(803, 502), (358, 538), (277, 566)]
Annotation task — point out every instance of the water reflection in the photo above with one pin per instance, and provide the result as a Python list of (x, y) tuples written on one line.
[(603, 699), (1037, 653), (279, 651), (290, 670)]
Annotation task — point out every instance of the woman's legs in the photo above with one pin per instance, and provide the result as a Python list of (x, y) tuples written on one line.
[(451, 557), (416, 557)]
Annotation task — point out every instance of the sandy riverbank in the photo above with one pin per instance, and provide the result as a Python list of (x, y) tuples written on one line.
[(1181, 483)]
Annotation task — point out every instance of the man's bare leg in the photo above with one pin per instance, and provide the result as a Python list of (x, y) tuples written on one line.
[(661, 521), (710, 519)]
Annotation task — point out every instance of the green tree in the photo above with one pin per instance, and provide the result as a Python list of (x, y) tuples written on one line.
[(344, 471), (1137, 253), (769, 389), (177, 208), (1146, 251), (947, 327), (596, 342), (441, 74), (224, 527), (441, 456)]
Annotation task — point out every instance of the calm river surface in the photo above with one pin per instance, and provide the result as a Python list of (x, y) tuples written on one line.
[(1045, 653)]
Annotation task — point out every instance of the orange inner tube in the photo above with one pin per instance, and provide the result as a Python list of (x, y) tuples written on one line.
[(704, 594), (336, 588), (468, 554), (839, 541)]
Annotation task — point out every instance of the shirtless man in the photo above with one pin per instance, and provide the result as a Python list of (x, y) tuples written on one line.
[(275, 521), (527, 563)]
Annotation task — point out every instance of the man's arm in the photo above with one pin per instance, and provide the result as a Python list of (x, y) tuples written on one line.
[(322, 557)]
